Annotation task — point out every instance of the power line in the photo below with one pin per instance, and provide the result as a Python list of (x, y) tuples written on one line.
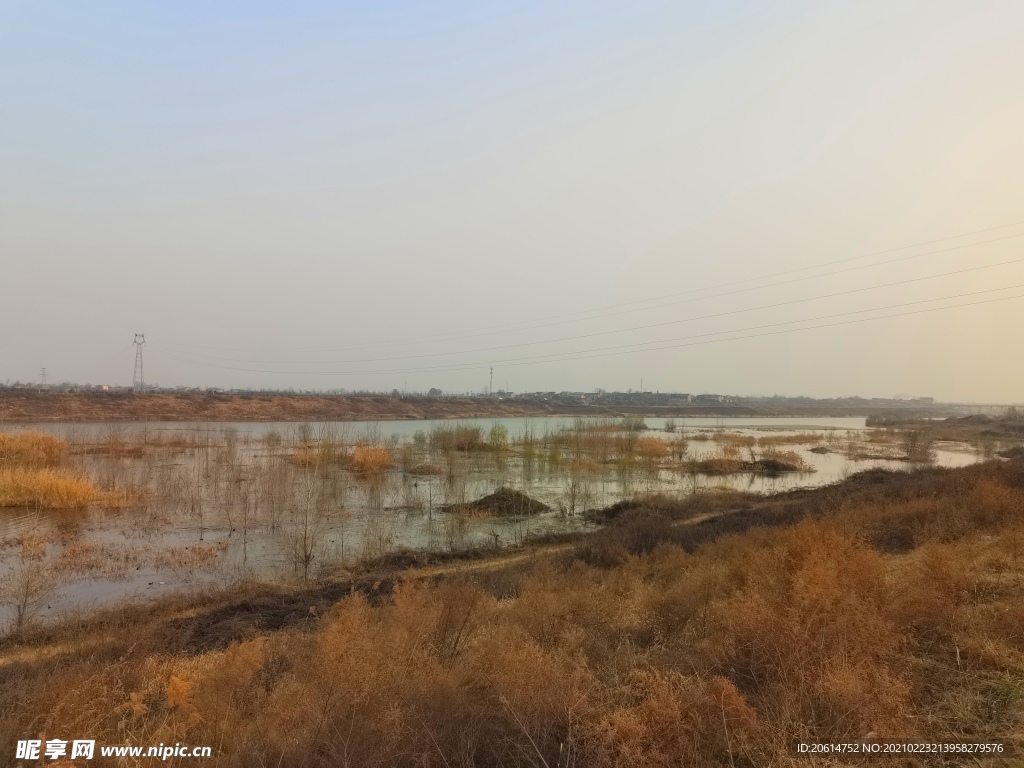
[(795, 270), (489, 330), (634, 348), (795, 330), (618, 330)]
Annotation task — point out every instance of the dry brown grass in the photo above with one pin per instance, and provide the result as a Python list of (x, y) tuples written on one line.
[(893, 607), (457, 438), (23, 487), (651, 448), (33, 449), (804, 438), (734, 439), (607, 443)]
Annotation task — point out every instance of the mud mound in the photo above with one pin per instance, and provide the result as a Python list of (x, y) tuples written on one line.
[(721, 466), (504, 502), (976, 418), (1013, 453)]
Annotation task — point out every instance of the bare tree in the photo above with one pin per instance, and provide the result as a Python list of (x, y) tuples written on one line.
[(916, 445), (28, 586), (308, 525)]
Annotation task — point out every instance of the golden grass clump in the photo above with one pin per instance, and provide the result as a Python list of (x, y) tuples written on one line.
[(651, 448), (23, 487), (368, 458), (33, 449), (306, 457)]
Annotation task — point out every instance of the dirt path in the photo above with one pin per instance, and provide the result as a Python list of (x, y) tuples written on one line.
[(497, 562), (216, 624)]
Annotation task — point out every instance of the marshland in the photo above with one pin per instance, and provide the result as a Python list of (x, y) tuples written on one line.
[(712, 628), (94, 514)]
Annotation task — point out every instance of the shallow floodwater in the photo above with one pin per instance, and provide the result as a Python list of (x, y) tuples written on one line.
[(214, 512)]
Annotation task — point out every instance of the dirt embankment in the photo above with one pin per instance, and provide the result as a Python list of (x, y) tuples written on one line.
[(212, 407), (22, 406)]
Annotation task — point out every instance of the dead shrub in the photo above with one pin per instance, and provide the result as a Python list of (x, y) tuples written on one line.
[(463, 439), (666, 719), (810, 635), (935, 585), (371, 459)]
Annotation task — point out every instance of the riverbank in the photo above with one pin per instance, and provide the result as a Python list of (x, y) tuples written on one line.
[(94, 407), (28, 407)]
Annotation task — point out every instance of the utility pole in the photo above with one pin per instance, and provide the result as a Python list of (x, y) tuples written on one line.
[(42, 383), (138, 380), (490, 387)]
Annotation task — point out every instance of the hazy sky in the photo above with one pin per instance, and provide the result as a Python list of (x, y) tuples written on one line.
[(398, 194)]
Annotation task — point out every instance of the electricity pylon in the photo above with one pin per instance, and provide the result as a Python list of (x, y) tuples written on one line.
[(138, 381)]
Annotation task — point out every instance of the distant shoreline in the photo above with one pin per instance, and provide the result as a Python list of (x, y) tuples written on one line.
[(112, 407)]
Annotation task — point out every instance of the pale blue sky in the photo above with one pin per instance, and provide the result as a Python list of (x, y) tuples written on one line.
[(314, 189)]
